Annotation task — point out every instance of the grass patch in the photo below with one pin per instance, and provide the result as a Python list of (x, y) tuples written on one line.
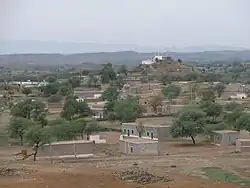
[(218, 174)]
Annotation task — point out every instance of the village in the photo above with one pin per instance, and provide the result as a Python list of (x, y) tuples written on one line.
[(127, 121)]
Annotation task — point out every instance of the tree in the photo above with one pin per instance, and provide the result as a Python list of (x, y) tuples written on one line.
[(119, 82), (110, 94), (155, 102), (50, 89), (140, 129), (171, 91), (213, 110), (18, 127), (26, 91), (51, 79), (123, 70), (28, 108), (82, 109), (243, 122), (165, 79), (232, 106), (189, 123), (69, 109), (65, 90), (92, 80), (127, 110), (74, 81), (107, 73), (231, 117), (37, 136), (219, 89), (90, 128), (208, 95)]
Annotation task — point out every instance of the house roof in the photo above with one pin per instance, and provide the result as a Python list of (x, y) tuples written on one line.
[(70, 142), (138, 140), (226, 131)]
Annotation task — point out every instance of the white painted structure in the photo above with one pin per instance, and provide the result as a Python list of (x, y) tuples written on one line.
[(239, 96)]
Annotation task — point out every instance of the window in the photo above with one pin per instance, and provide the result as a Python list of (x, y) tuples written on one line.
[(132, 132), (124, 131), (131, 149), (152, 135), (147, 133)]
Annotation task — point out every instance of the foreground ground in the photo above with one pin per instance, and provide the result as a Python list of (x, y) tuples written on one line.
[(201, 166)]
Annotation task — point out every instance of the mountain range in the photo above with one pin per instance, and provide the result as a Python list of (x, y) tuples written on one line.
[(53, 53), (37, 47)]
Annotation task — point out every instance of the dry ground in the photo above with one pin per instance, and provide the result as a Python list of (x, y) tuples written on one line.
[(97, 172)]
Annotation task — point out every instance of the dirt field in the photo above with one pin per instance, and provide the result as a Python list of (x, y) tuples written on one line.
[(200, 166), (189, 166)]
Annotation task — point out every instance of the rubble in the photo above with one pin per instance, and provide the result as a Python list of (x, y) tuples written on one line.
[(140, 176)]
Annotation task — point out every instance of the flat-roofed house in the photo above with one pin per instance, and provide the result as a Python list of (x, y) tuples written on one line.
[(151, 131)]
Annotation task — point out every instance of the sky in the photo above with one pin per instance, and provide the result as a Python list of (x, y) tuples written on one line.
[(142, 22)]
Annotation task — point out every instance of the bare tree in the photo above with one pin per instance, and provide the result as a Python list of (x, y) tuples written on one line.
[(140, 129)]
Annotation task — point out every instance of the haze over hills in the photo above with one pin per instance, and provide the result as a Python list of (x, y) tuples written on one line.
[(125, 57), (48, 47)]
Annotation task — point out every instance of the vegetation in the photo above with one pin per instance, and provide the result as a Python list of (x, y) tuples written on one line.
[(171, 91), (189, 123)]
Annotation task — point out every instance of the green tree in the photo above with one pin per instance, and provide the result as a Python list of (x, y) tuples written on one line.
[(18, 127), (92, 80), (107, 73), (127, 110), (37, 136), (119, 82), (110, 94), (213, 110), (219, 89), (155, 102), (50, 89), (171, 91), (65, 90), (74, 81), (243, 122), (189, 123), (26, 91), (231, 118), (91, 128), (51, 79), (69, 109), (82, 109), (28, 109), (165, 79), (208, 95)]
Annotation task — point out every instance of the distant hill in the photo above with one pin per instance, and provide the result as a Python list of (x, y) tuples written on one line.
[(124, 57), (50, 47)]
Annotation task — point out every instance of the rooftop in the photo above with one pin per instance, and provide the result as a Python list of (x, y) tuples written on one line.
[(138, 140), (70, 142), (226, 131)]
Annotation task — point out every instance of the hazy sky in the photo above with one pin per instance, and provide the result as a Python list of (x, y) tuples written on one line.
[(144, 22)]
